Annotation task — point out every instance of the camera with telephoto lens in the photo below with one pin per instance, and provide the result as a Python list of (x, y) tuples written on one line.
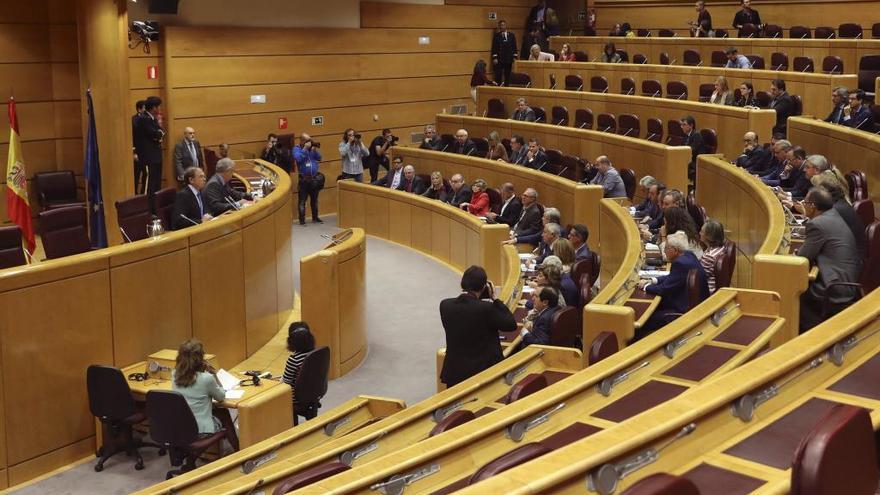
[(357, 136), (394, 139), (315, 144)]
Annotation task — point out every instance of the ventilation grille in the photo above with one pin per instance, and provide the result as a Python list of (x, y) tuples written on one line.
[(459, 109)]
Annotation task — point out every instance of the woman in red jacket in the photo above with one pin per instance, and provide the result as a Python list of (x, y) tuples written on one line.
[(479, 204)]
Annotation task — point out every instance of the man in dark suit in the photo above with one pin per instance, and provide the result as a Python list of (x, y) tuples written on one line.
[(538, 331), (778, 164), (472, 322), (518, 150), (432, 140), (693, 139), (747, 15), (148, 148), (783, 104), (857, 114), (461, 192), (187, 153), (189, 205), (551, 233), (830, 245), (578, 236), (673, 288), (504, 52), (755, 155), (463, 145), (840, 98), (218, 196), (793, 172), (511, 208), (529, 222), (394, 177), (411, 182), (523, 112), (535, 157)]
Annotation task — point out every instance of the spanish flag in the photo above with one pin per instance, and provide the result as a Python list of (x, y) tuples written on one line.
[(17, 206)]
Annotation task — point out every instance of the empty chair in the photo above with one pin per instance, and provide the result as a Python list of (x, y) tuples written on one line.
[(662, 484), (581, 57), (832, 64), (173, 426), (560, 115), (778, 61), (858, 185), (710, 140), (652, 88), (624, 56), (875, 30), (606, 122), (757, 61), (574, 82), (839, 449), (111, 402), (629, 181), (719, 58), (627, 86), (825, 33), (564, 328), (772, 31), (639, 58), (706, 90), (628, 125), (748, 30), (692, 58), (57, 189), (455, 418), (11, 250), (655, 130), (676, 90), (554, 161), (164, 201), (870, 278), (495, 109), (865, 210), (849, 30), (481, 146), (666, 33), (664, 58), (763, 99), (869, 71), (552, 81), (643, 33), (540, 115), (65, 231), (495, 199), (311, 384), (314, 474), (721, 33), (604, 345), (519, 80), (133, 215), (598, 84), (676, 136), (583, 118), (798, 105), (799, 32)]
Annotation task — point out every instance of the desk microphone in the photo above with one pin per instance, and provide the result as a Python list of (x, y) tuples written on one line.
[(808, 66), (699, 63), (833, 70), (656, 93), (471, 151), (830, 36), (444, 148), (804, 35), (537, 120), (859, 36), (232, 203), (188, 219), (673, 61), (542, 166), (583, 125), (681, 96), (332, 239), (752, 62), (562, 172), (862, 123), (127, 238)]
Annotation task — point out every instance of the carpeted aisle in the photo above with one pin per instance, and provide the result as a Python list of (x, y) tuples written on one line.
[(404, 289)]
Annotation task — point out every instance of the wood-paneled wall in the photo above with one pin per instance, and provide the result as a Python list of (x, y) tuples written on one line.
[(38, 51)]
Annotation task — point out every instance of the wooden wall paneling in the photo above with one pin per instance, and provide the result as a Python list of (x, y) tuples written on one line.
[(218, 297), (320, 304), (137, 73), (152, 306), (401, 227), (283, 220), (441, 233), (43, 359), (385, 15), (458, 245), (422, 229), (377, 216), (352, 321), (3, 472), (260, 280), (55, 459), (352, 210)]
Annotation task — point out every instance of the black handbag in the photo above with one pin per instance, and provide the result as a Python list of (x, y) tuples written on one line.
[(319, 181)]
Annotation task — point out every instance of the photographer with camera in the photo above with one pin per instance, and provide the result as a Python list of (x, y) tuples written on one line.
[(379, 152), (274, 153), (353, 152), (311, 181)]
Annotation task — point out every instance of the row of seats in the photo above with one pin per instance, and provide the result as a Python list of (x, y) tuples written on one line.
[(847, 30)]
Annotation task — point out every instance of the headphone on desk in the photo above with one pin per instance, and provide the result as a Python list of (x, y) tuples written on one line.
[(138, 377)]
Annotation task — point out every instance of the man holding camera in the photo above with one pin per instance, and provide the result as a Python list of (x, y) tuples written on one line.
[(308, 158), (274, 153), (353, 152), (379, 152)]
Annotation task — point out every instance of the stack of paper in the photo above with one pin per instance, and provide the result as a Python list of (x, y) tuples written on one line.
[(227, 380)]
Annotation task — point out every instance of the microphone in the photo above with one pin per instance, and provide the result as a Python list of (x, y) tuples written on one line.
[(681, 96), (471, 151), (699, 63), (804, 35), (673, 61), (778, 67), (188, 219), (561, 121), (485, 112), (562, 172), (830, 36), (444, 148), (582, 125), (752, 63), (644, 61), (542, 166), (628, 131), (651, 136), (833, 70), (606, 129), (580, 87), (232, 203), (858, 36), (862, 123), (529, 84), (655, 94), (332, 239), (127, 238), (775, 35), (539, 119), (751, 35), (605, 90), (806, 67)]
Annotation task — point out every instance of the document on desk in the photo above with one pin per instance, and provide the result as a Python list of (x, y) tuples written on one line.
[(227, 380), (652, 273), (235, 394)]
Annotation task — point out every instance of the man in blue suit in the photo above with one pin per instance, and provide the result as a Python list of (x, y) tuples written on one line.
[(546, 304), (673, 288)]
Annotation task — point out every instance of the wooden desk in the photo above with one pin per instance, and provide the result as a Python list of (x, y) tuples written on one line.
[(667, 163), (850, 51), (730, 123), (814, 89)]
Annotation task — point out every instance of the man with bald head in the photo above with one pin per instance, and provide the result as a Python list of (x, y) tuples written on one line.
[(511, 208), (608, 178), (461, 192), (187, 153), (463, 145), (411, 182), (754, 156)]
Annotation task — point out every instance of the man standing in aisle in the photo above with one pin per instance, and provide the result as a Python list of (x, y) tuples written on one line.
[(187, 153), (504, 52), (148, 148), (308, 159)]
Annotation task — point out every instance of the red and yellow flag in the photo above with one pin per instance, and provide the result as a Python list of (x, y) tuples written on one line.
[(17, 206)]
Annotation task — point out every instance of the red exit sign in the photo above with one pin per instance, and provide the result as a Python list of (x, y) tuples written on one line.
[(152, 72), (282, 122)]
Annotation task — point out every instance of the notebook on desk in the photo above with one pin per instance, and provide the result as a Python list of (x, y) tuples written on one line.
[(227, 380)]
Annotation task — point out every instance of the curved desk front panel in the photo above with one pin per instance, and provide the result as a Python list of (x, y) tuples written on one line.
[(730, 123), (228, 282), (813, 88)]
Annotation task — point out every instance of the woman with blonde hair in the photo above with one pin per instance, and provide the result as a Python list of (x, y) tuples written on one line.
[(438, 189), (563, 249), (722, 94), (497, 151)]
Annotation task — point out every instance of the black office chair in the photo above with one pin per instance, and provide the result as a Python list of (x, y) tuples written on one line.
[(173, 425), (311, 384), (111, 402)]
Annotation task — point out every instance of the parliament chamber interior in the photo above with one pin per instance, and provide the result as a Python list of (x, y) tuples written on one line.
[(615, 247)]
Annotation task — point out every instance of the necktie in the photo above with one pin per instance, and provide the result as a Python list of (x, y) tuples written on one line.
[(505, 36), (201, 208), (192, 152)]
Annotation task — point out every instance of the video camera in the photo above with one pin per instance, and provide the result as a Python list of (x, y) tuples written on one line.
[(144, 32)]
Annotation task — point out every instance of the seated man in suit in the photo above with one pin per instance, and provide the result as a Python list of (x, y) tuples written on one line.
[(755, 157), (189, 205), (609, 178), (432, 140), (518, 151), (393, 177), (529, 224), (783, 104), (840, 99), (535, 157), (463, 145), (813, 165), (411, 182), (830, 245), (550, 215), (219, 197), (857, 114), (461, 192), (673, 288), (793, 170), (537, 331), (523, 112), (693, 139), (645, 184), (510, 208), (187, 153), (778, 163), (578, 236), (668, 198), (549, 236), (472, 322)]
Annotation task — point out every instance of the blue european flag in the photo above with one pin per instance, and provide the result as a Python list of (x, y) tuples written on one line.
[(92, 165)]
